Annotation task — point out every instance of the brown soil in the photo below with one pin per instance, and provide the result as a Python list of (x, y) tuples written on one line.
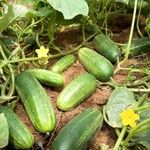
[(98, 99)]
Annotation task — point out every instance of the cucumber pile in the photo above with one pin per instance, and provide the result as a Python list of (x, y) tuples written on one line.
[(78, 132)]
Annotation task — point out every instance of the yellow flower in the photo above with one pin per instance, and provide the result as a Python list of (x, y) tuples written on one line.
[(129, 117), (42, 52)]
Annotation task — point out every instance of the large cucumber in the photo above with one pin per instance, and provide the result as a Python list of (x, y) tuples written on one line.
[(63, 63), (96, 64), (47, 77), (36, 102), (106, 47), (19, 135), (138, 46), (76, 91), (76, 134)]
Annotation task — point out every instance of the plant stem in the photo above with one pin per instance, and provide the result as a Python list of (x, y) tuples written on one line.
[(140, 101), (130, 69), (12, 86), (138, 18), (127, 52), (143, 108), (120, 138), (50, 56), (131, 31), (139, 90)]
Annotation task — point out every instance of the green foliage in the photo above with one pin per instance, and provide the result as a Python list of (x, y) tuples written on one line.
[(123, 1), (142, 135), (70, 8), (28, 24), (119, 100), (138, 46), (140, 3), (14, 12)]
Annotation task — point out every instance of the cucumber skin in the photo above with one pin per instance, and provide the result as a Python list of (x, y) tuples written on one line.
[(106, 47), (76, 134), (62, 64), (76, 91), (36, 102), (139, 46), (46, 77), (19, 135), (95, 64)]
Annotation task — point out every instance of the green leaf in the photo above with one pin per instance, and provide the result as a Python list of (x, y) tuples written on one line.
[(70, 8), (138, 46), (123, 1), (4, 131), (119, 100), (142, 136), (14, 11)]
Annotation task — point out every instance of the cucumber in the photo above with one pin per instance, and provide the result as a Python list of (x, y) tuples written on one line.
[(63, 63), (138, 46), (76, 91), (96, 64), (46, 77), (36, 102), (106, 47), (19, 135), (77, 133)]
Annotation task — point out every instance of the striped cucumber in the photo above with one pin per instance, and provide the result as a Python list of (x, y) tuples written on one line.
[(96, 64), (19, 135), (36, 102), (106, 47), (47, 77), (77, 133), (63, 63), (76, 91)]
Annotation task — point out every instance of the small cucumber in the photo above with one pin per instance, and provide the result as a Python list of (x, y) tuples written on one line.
[(106, 47), (77, 133), (36, 102), (63, 63), (96, 64), (19, 135), (139, 46), (46, 77), (76, 91)]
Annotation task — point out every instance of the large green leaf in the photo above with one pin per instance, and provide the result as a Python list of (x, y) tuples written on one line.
[(4, 131), (13, 12), (70, 8), (119, 100)]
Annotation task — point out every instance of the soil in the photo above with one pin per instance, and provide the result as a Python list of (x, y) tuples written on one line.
[(106, 135)]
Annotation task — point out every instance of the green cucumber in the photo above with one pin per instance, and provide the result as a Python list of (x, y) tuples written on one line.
[(63, 63), (106, 47), (19, 135), (47, 77), (76, 91), (77, 133), (96, 64), (36, 102), (138, 46)]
